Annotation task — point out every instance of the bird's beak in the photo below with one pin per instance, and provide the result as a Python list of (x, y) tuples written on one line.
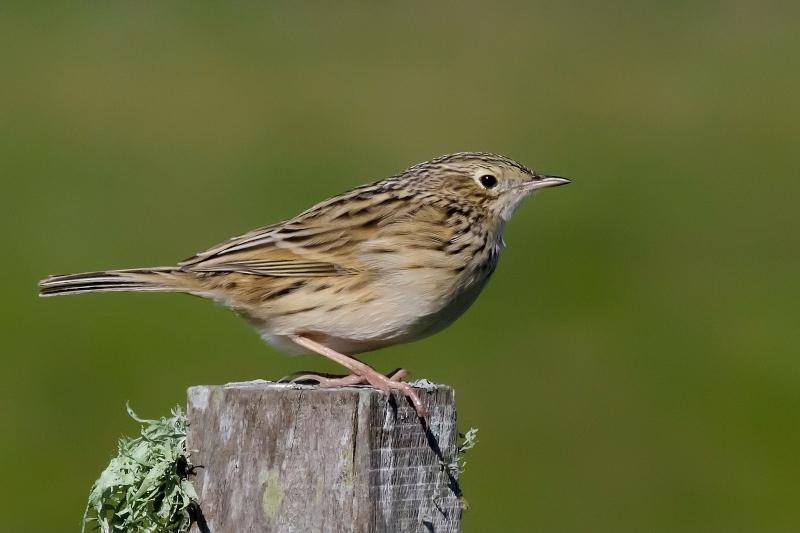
[(545, 181)]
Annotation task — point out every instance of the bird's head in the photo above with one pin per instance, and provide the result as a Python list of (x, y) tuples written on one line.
[(492, 183)]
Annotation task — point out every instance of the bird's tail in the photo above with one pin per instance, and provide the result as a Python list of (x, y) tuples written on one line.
[(161, 279)]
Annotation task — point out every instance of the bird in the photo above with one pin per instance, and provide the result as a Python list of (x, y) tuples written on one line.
[(386, 263)]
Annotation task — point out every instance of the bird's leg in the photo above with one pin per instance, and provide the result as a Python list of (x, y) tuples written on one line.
[(397, 375), (362, 373), (329, 383), (345, 381)]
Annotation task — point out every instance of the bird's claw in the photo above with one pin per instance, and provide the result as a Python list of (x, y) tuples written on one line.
[(383, 383)]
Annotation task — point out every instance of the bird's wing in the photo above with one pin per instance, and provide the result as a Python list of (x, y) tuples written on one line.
[(318, 242)]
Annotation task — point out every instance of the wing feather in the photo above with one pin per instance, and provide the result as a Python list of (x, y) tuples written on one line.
[(281, 269), (318, 242)]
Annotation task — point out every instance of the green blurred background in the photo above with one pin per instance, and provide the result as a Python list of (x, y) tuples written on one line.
[(634, 364)]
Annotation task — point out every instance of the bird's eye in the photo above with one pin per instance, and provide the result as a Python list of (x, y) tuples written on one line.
[(488, 181)]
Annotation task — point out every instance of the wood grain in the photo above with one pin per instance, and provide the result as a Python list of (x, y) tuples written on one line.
[(285, 458)]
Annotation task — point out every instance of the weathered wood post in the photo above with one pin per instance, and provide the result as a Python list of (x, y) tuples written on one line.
[(280, 457)]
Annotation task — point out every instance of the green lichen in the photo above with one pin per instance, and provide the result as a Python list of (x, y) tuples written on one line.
[(146, 487), (320, 487), (273, 491), (457, 464)]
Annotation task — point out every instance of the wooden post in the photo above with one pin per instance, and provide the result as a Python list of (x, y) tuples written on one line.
[(282, 457)]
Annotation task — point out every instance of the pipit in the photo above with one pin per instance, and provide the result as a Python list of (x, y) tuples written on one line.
[(386, 263)]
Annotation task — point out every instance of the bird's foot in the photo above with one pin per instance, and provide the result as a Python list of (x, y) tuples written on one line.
[(328, 382), (369, 376), (386, 384), (364, 373)]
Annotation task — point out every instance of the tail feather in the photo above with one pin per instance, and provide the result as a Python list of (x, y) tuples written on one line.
[(164, 279)]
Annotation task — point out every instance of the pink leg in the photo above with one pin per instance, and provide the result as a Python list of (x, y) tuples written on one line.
[(362, 374), (346, 381), (329, 383)]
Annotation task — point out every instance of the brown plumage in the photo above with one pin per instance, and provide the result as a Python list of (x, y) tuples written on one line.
[(385, 263)]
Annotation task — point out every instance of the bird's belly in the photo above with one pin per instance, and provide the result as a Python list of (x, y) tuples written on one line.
[(454, 307), (399, 311)]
